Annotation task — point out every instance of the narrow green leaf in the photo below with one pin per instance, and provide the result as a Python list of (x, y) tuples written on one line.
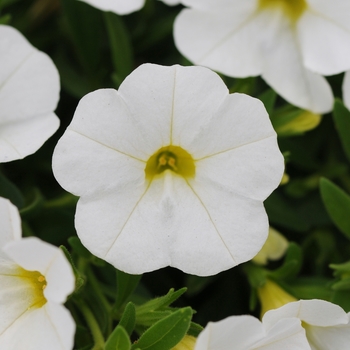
[(118, 340), (78, 247), (341, 117), (128, 318), (119, 40), (166, 333), (337, 203), (126, 284), (10, 191), (268, 98)]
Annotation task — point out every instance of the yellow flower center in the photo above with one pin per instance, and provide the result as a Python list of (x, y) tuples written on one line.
[(172, 158), (292, 8), (36, 284)]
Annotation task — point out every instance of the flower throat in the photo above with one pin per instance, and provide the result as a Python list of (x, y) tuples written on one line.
[(292, 8)]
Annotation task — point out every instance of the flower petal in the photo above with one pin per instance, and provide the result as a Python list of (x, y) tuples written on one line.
[(49, 327), (325, 43), (29, 92), (121, 7), (239, 143), (214, 39), (313, 312), (284, 59), (32, 254), (10, 224)]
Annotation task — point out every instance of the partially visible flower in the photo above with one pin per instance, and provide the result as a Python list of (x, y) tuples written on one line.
[(123, 7), (327, 325), (272, 296), (248, 333), (346, 90), (290, 43), (29, 92), (171, 170), (273, 249), (35, 279), (187, 343)]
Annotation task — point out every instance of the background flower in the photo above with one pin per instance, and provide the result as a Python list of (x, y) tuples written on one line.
[(326, 324), (35, 279), (290, 43), (203, 216), (29, 92), (247, 332), (123, 7)]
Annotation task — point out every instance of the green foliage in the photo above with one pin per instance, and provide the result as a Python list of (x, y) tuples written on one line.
[(337, 203), (118, 340), (341, 116), (126, 285), (167, 332)]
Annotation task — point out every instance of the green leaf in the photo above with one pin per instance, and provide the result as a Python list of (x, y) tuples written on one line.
[(194, 329), (166, 333), (119, 40), (268, 98), (337, 203), (118, 340), (126, 284), (10, 191), (128, 318), (341, 116), (35, 205), (78, 247)]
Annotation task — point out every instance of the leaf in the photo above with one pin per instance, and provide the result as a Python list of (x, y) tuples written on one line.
[(118, 340), (126, 284), (128, 318), (341, 116), (119, 40), (10, 191), (268, 98), (337, 203), (166, 333)]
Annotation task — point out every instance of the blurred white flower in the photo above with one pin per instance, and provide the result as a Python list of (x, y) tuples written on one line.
[(123, 7), (29, 92), (248, 333), (291, 44), (346, 89), (327, 325), (171, 170), (35, 279)]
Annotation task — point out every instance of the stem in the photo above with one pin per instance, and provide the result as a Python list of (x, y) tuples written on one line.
[(93, 325), (64, 201)]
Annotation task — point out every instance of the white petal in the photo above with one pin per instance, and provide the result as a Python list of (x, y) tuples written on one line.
[(238, 332), (346, 89), (29, 91), (49, 327), (32, 254), (197, 95), (247, 333), (10, 224), (284, 70), (325, 43), (238, 149), (328, 338), (313, 312), (225, 41), (121, 7), (85, 166)]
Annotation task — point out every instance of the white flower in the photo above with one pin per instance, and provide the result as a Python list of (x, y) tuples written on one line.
[(248, 333), (171, 170), (291, 43), (346, 90), (123, 7), (29, 92), (35, 279), (327, 325)]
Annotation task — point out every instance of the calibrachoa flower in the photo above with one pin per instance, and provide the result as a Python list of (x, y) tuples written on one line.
[(171, 170), (35, 279), (327, 325), (29, 92), (248, 333), (289, 43), (123, 7)]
